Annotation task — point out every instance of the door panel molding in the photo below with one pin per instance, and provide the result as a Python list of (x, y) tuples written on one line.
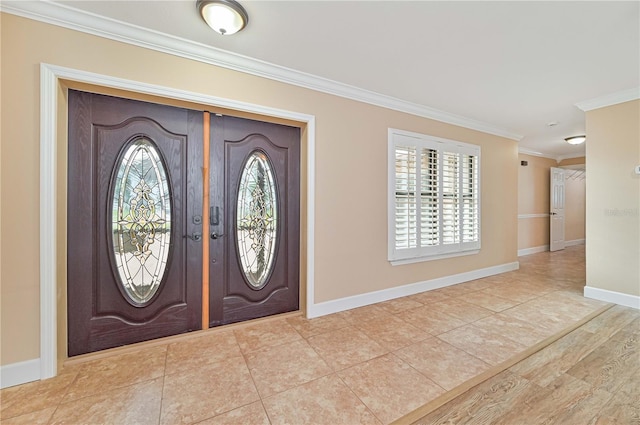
[(50, 85)]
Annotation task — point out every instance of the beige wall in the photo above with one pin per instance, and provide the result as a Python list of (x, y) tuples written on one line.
[(613, 198), (533, 198), (574, 218), (351, 199), (580, 160)]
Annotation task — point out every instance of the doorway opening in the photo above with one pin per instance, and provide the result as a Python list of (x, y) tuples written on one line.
[(139, 221), (55, 81)]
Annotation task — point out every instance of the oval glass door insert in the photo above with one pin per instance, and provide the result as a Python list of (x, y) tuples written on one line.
[(141, 220), (257, 219)]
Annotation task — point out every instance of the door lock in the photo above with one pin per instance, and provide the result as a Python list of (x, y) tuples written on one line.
[(214, 216), (194, 236), (214, 235)]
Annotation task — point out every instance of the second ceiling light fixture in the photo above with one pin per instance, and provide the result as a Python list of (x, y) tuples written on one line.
[(226, 17)]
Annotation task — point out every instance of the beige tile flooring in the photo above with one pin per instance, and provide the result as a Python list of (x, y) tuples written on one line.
[(369, 365)]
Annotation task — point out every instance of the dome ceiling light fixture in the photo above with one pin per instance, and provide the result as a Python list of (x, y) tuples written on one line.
[(576, 140), (225, 17)]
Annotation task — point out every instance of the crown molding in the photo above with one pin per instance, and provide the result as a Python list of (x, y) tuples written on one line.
[(610, 99), (570, 156), (559, 158), (526, 151), (78, 20)]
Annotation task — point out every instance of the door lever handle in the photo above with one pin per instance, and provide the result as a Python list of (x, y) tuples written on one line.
[(194, 236), (214, 235)]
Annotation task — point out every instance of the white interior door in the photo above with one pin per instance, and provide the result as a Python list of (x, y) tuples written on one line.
[(556, 224)]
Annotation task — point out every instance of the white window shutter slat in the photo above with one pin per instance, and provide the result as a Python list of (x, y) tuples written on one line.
[(406, 203), (429, 198)]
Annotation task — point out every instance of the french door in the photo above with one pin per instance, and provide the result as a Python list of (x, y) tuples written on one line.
[(254, 219), (136, 228)]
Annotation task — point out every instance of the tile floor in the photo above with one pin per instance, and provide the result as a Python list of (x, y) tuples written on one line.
[(370, 365)]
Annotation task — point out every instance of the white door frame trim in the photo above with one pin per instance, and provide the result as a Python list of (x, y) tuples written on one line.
[(49, 83)]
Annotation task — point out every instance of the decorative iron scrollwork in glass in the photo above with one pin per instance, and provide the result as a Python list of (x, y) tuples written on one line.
[(141, 220), (257, 219)]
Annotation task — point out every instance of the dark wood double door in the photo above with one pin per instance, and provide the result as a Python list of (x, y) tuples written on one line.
[(137, 227)]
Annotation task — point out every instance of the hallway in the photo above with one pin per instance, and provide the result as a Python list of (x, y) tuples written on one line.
[(370, 365)]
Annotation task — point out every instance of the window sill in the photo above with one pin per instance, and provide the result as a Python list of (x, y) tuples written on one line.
[(402, 261)]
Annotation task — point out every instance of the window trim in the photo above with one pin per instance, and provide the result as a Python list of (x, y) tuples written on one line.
[(396, 256)]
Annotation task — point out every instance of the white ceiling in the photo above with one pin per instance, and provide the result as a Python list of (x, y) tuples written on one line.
[(513, 65)]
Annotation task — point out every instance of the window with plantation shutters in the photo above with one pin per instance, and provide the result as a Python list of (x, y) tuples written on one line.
[(434, 197)]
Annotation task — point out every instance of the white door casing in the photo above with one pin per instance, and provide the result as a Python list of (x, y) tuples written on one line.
[(556, 215), (49, 86)]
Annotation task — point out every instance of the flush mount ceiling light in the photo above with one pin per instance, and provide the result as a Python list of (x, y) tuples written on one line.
[(223, 16), (576, 140)]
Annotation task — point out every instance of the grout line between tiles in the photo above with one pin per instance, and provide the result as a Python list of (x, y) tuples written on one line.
[(253, 379), (226, 411), (411, 366), (266, 412), (358, 397), (164, 377)]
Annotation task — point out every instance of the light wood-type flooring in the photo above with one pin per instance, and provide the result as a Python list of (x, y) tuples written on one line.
[(590, 376), (373, 365)]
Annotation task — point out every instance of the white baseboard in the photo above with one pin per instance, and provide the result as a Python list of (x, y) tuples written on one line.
[(19, 373), (342, 304), (574, 242), (534, 250), (543, 248), (612, 297)]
